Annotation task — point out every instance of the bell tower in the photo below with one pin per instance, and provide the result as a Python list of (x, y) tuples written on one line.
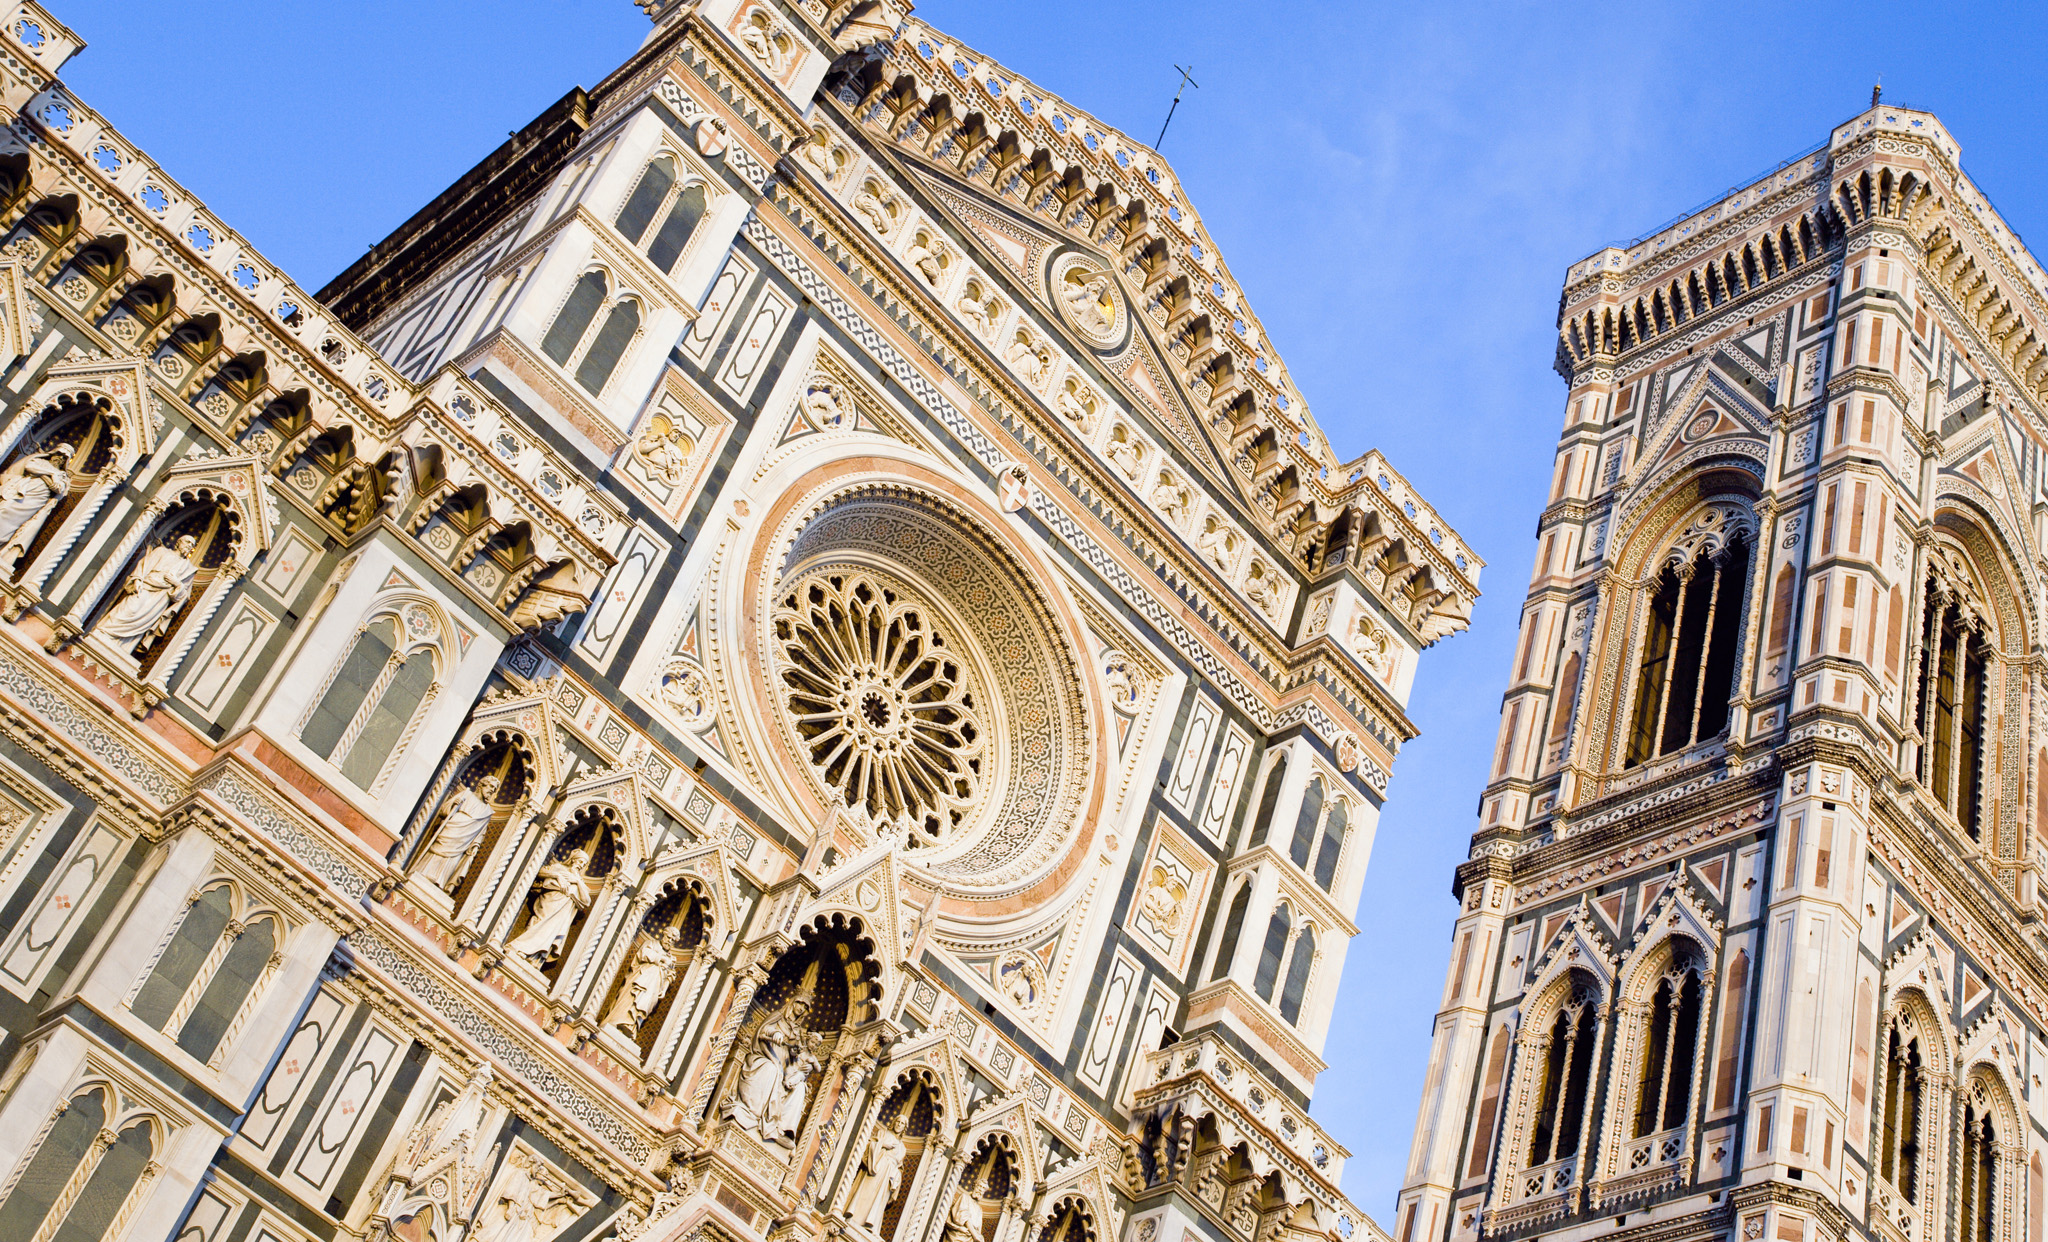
[(1749, 942)]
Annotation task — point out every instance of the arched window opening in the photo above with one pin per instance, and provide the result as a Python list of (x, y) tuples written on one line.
[(1233, 929), (166, 579), (1978, 1181), (903, 1132), (1953, 660), (573, 320), (113, 1180), (1299, 963), (552, 918), (657, 196), (1306, 822), (1269, 799), (369, 706), (1336, 824), (646, 199), (1899, 1124), (1687, 671), (1268, 974), (1664, 1083), (66, 1146), (602, 358), (209, 971), (1567, 1055)]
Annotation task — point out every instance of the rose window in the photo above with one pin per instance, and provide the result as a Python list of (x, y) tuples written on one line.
[(883, 706)]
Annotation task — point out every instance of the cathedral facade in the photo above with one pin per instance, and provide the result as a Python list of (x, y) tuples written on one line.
[(1750, 942), (782, 661)]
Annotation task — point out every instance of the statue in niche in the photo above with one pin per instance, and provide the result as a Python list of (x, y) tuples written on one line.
[(564, 892), (462, 824), (981, 310), (1171, 498), (649, 971), (527, 1208), (1217, 544), (774, 1081), (963, 1218), (1078, 405), (882, 1173), (880, 215), (152, 596), (29, 492)]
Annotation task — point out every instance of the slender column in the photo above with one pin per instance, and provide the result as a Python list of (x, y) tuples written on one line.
[(73, 622), (750, 980)]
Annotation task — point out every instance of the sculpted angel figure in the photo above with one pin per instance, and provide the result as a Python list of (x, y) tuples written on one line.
[(648, 973), (882, 1168), (822, 405), (468, 815), (564, 890), (775, 1078), (29, 493), (1215, 544), (152, 596)]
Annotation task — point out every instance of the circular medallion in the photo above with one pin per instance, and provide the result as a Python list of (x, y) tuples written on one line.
[(1085, 292)]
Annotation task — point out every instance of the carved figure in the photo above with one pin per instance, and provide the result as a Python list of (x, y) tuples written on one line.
[(963, 1218), (1077, 405), (882, 1170), (564, 891), (1217, 545), (1171, 498), (1123, 452), (928, 261), (526, 1208), (824, 408), (774, 1081), (648, 973), (871, 208), (1086, 291), (663, 449), (29, 493), (152, 595), (981, 310), (819, 156), (1259, 588), (1164, 895), (1030, 360), (467, 817)]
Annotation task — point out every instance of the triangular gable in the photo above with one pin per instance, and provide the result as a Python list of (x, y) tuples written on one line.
[(1713, 877), (1756, 346), (1579, 944), (1015, 244)]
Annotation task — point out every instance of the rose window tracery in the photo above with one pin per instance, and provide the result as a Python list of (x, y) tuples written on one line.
[(885, 709)]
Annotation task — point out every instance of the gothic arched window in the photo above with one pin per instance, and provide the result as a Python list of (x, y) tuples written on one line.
[(1899, 1125), (591, 356), (1335, 825), (1233, 928), (1269, 799), (656, 196), (1278, 928), (1306, 822), (1687, 669), (1954, 658), (1664, 1083), (370, 704), (1567, 1076), (78, 1145), (208, 972), (1977, 1221), (1300, 962)]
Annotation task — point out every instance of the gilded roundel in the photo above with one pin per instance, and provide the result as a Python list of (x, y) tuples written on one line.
[(923, 686), (1085, 292)]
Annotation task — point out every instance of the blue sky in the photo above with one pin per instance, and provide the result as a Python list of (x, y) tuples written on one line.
[(1398, 188)]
